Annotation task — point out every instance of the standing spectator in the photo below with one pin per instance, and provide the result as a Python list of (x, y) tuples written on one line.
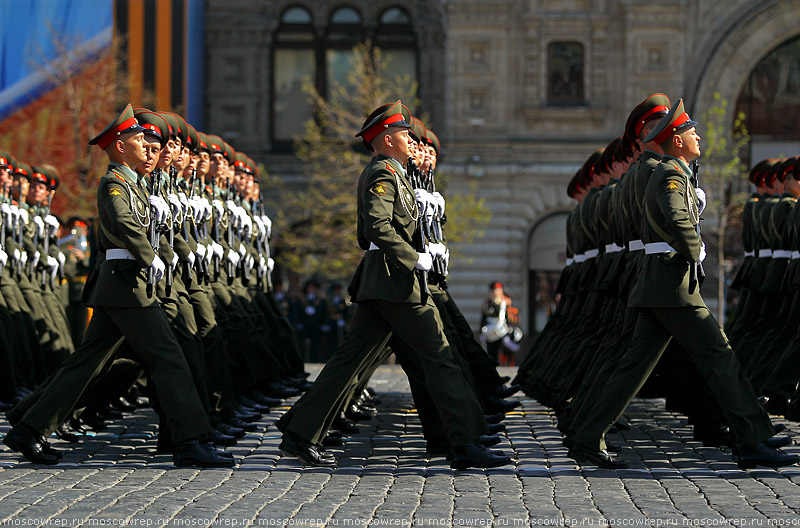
[(494, 326)]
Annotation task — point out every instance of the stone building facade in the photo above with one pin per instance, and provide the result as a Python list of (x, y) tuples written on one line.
[(520, 92)]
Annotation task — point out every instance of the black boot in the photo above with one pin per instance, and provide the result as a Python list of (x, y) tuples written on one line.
[(31, 445), (196, 453), (474, 454)]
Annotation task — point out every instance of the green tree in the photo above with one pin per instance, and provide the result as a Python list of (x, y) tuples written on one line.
[(320, 214), (723, 147)]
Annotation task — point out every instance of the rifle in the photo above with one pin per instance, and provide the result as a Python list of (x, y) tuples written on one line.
[(171, 232), (155, 237), (230, 270), (3, 228), (202, 264), (422, 245), (31, 267), (187, 267), (696, 272), (215, 227), (47, 245)]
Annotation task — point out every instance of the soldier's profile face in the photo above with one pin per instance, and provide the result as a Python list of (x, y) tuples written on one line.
[(37, 192)]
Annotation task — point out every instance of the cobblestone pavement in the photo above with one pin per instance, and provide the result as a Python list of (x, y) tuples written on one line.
[(384, 478)]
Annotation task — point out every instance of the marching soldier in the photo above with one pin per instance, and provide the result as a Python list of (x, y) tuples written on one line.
[(389, 286), (669, 302)]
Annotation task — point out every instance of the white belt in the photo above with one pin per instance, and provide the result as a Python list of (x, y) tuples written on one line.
[(636, 245), (592, 253), (781, 253), (764, 252), (795, 254), (373, 247), (654, 248), (118, 254), (570, 260), (580, 257), (613, 248), (749, 253)]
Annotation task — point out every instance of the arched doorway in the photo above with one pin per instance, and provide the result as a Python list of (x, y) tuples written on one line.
[(546, 258), (770, 101)]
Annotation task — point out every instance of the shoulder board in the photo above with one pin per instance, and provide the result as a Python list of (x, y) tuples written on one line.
[(388, 166)]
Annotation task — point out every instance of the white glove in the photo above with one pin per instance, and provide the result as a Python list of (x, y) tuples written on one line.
[(249, 261), (270, 264), (160, 209), (261, 231), (174, 262), (218, 249), (246, 222), (436, 249), (262, 267), (209, 253), (267, 224), (446, 259), (423, 198), (703, 252), (39, 223), (52, 263), (233, 258), (36, 257), (175, 202), (183, 199), (52, 222), (22, 215), (5, 208), (61, 258), (158, 268), (3, 258), (438, 199), (190, 258), (200, 251), (232, 207), (218, 207), (242, 250), (424, 262), (701, 199), (17, 255)]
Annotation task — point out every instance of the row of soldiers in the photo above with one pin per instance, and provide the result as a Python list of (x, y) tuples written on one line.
[(630, 308), (181, 295), (403, 307), (760, 328)]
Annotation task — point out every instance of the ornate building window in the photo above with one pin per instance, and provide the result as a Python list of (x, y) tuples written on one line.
[(396, 37), (565, 74), (302, 54), (294, 62)]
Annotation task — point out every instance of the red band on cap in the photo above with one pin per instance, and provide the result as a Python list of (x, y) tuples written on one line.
[(668, 131), (150, 126), (109, 136), (658, 109), (239, 164), (38, 176), (373, 131), (21, 171)]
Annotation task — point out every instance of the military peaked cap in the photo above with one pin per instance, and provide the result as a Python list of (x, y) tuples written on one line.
[(124, 123), (675, 122), (383, 117)]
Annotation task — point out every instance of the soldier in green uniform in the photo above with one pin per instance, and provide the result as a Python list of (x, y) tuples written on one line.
[(669, 302), (390, 289), (117, 291)]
